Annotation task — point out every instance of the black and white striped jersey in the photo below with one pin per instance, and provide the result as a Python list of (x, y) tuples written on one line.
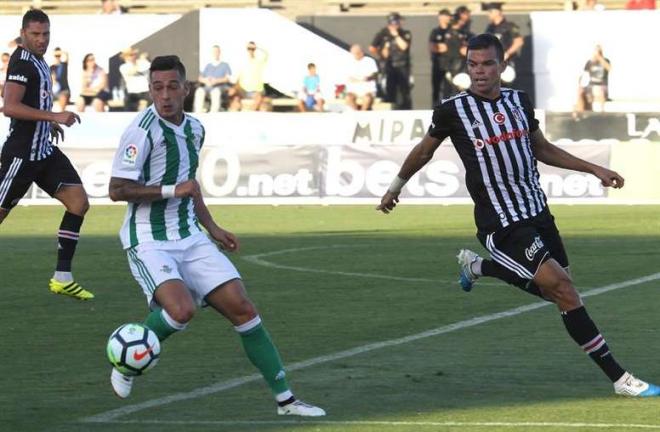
[(30, 140), (492, 138)]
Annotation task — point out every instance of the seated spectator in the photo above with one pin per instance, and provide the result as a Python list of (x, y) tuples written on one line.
[(640, 4), (361, 80), (94, 89), (251, 79), (215, 82), (593, 88), (135, 72), (310, 97), (111, 7), (59, 73)]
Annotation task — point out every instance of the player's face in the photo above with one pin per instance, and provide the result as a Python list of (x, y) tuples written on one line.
[(36, 37), (168, 90), (484, 69)]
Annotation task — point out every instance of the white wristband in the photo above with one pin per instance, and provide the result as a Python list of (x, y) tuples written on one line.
[(167, 191), (397, 184)]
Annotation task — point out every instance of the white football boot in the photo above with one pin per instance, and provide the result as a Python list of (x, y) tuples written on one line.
[(467, 278), (300, 408), (628, 385), (121, 384)]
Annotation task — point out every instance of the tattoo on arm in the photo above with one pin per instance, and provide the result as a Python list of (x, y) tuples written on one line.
[(132, 191)]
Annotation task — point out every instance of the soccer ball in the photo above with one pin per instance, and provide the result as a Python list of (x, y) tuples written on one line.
[(133, 349)]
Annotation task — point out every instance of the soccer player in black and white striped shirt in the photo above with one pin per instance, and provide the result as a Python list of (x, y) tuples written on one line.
[(28, 156), (498, 139)]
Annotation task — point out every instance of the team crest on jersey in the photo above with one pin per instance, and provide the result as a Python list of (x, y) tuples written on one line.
[(130, 154), (517, 114), (499, 118)]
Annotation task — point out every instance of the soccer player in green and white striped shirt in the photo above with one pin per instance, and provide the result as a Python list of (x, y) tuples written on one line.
[(172, 259)]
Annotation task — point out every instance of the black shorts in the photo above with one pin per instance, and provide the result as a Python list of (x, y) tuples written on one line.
[(17, 175), (523, 246)]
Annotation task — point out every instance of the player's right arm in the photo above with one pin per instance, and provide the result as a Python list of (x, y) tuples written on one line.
[(122, 189), (15, 108), (419, 156), (416, 159)]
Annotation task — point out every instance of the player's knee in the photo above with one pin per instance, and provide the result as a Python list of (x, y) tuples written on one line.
[(245, 310), (182, 313), (563, 292)]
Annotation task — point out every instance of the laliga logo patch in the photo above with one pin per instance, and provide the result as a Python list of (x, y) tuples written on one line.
[(479, 143), (499, 118), (130, 154)]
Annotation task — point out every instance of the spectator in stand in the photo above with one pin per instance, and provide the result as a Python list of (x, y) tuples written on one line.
[(591, 5), (94, 89), (135, 73), (462, 22), (59, 73), (439, 41), (361, 80), (593, 88), (250, 82), (111, 7), (391, 46), (310, 97), (215, 82), (4, 63), (640, 4), (508, 33)]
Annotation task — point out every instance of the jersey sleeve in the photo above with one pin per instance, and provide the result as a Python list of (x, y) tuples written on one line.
[(529, 112), (441, 122), (514, 30), (20, 72), (133, 151)]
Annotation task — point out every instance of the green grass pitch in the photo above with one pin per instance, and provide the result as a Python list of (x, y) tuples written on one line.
[(327, 280)]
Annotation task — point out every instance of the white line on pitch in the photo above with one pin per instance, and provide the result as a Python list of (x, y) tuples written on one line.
[(258, 259), (453, 424), (111, 415)]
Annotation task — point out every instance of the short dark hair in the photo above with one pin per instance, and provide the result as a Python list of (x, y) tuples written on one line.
[(34, 15), (485, 41), (311, 65), (166, 63)]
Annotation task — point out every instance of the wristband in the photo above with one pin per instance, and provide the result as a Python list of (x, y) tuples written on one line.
[(167, 191), (397, 184)]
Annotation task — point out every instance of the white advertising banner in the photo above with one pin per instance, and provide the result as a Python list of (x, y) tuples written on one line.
[(271, 158)]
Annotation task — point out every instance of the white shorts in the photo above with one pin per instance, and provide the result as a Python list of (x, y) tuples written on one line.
[(194, 260)]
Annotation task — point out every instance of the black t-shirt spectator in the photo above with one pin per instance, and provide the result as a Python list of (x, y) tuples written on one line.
[(440, 35), (397, 58), (598, 75), (506, 32)]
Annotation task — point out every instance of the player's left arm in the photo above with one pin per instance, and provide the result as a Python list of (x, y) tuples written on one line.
[(227, 240), (550, 154)]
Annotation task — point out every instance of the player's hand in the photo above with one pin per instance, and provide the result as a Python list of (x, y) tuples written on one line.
[(228, 241), (609, 178), (388, 202), (66, 118), (56, 132), (189, 188)]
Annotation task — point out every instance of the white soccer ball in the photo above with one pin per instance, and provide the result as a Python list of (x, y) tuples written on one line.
[(133, 349)]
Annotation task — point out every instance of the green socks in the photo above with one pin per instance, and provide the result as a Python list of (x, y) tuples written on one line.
[(263, 355), (162, 324)]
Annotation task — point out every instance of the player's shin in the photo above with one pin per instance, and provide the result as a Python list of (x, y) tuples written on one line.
[(264, 356), (160, 322), (583, 331), (67, 240)]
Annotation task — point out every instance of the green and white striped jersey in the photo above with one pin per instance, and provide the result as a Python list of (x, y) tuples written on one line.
[(153, 151)]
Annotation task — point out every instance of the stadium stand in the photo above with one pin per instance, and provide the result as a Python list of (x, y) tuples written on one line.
[(289, 8)]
